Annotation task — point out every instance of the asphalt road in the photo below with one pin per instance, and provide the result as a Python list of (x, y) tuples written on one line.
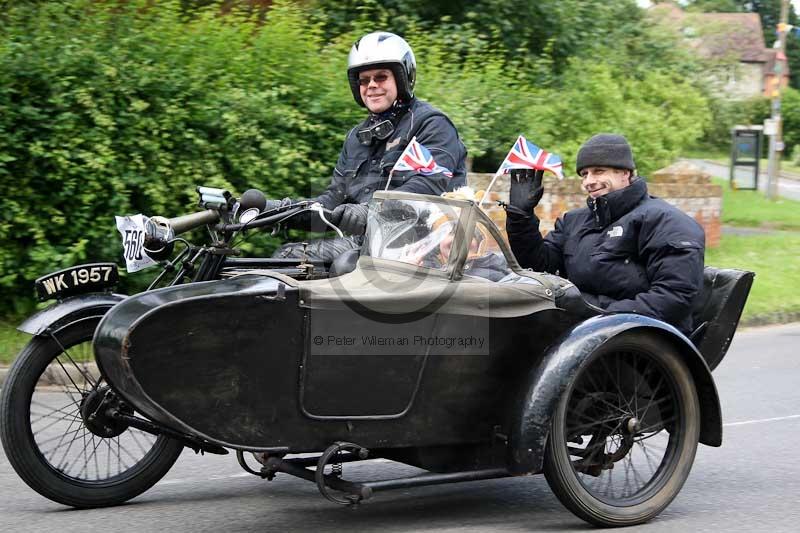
[(751, 483), (787, 188)]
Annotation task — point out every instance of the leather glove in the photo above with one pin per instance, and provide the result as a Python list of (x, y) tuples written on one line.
[(526, 192), (351, 218)]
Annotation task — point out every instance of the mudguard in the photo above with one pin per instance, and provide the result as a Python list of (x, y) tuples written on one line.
[(69, 309), (548, 381)]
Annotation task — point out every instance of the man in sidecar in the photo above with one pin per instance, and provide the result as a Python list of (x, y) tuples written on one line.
[(626, 251), (382, 74)]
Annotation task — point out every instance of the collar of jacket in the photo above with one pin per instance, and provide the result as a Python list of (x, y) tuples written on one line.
[(394, 113), (609, 207)]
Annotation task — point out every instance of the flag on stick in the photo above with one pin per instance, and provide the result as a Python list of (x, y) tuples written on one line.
[(525, 154), (417, 158)]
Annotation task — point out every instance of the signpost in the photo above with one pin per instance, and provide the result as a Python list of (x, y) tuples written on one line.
[(775, 140)]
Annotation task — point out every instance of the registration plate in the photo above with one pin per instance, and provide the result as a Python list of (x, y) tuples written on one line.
[(83, 278)]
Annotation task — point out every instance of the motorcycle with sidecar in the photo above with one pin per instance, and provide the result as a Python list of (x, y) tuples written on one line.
[(430, 347)]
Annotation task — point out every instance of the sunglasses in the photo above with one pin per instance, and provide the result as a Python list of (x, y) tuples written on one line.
[(378, 78)]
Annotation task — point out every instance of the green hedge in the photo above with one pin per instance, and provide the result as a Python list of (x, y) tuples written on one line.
[(106, 112), (123, 107)]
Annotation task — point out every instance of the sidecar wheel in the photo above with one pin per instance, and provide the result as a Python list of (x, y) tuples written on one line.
[(55, 436), (625, 432)]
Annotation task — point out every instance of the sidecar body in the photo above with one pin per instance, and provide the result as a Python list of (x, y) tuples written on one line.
[(436, 350)]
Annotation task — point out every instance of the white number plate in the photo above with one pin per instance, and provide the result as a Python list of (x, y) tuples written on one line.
[(132, 230)]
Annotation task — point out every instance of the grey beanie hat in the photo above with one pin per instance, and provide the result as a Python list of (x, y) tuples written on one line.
[(605, 150)]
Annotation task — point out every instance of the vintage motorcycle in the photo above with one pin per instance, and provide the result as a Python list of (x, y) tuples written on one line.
[(430, 347)]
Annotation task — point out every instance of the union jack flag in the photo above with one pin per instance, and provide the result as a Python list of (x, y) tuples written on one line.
[(417, 158), (525, 154)]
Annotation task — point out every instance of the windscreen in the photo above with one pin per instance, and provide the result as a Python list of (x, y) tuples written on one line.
[(411, 231)]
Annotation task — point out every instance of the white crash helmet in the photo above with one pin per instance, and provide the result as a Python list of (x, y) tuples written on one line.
[(382, 49)]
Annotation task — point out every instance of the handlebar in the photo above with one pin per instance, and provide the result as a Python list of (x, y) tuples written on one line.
[(160, 232), (184, 223), (278, 217), (259, 222)]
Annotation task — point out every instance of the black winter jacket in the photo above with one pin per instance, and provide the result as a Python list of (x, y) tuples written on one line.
[(361, 170), (627, 252)]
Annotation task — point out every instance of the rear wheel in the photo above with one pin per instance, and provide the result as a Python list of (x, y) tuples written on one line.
[(625, 433), (57, 435)]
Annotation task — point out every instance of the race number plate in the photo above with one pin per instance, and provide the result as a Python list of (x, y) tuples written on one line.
[(83, 278), (132, 229)]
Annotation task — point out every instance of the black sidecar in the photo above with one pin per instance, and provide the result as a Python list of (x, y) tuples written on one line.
[(433, 348)]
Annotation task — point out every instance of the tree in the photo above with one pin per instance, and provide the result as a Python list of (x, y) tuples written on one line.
[(557, 29)]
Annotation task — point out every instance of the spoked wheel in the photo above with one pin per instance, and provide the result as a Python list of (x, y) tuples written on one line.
[(625, 433), (58, 435)]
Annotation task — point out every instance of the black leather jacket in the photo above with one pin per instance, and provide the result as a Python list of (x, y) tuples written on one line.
[(627, 252), (361, 170)]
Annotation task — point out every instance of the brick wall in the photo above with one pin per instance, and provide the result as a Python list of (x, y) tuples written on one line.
[(682, 184)]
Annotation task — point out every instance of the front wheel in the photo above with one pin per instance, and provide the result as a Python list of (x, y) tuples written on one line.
[(55, 432), (625, 432)]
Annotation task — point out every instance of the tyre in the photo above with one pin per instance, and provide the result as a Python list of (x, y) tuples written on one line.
[(56, 436), (625, 432)]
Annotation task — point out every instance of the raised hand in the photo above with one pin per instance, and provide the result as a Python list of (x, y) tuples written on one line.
[(526, 192)]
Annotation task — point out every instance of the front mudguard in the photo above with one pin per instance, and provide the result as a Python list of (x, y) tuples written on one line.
[(63, 312), (548, 381)]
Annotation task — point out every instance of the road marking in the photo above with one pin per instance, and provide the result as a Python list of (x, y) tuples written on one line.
[(748, 422)]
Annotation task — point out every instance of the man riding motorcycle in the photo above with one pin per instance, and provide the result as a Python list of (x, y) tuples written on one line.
[(382, 74)]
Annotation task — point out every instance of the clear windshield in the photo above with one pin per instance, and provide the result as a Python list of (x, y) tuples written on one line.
[(411, 231), (421, 233)]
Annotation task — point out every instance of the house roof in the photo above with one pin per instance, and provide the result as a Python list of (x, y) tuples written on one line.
[(718, 35), (731, 34)]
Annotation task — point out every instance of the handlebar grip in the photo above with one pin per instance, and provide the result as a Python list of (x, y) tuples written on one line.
[(188, 222)]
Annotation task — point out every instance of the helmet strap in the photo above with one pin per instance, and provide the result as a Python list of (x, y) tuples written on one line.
[(382, 125)]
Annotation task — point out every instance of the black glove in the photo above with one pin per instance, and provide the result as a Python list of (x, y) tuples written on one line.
[(351, 218), (526, 191)]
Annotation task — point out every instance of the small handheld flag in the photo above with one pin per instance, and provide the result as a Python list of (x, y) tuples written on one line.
[(419, 159), (525, 154)]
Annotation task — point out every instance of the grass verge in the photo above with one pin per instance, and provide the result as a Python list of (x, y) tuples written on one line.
[(753, 210), (11, 341), (775, 258)]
